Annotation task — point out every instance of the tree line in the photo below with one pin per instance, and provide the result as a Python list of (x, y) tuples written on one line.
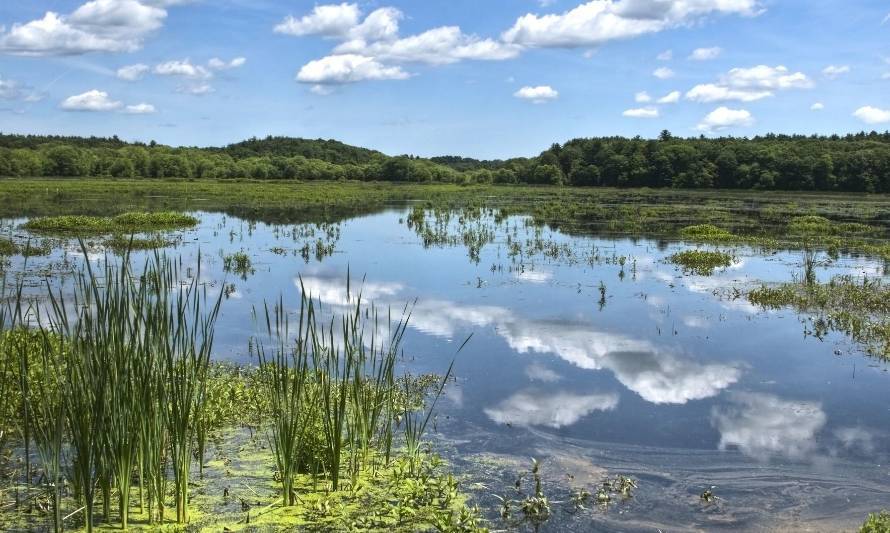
[(856, 162)]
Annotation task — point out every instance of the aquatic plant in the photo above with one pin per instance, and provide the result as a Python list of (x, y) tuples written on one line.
[(701, 262), (124, 223), (876, 523)]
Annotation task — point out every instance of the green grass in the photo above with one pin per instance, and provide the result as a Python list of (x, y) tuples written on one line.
[(124, 223), (701, 262), (877, 523)]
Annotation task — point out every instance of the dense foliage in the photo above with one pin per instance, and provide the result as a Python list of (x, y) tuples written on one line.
[(859, 162)]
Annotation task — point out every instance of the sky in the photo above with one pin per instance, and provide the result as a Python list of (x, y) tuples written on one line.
[(477, 78)]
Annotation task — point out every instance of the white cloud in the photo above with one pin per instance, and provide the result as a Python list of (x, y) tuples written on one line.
[(538, 95), (348, 68), (749, 84), (642, 97), (818, 106), (218, 64), (723, 118), (328, 20), (834, 71), (599, 21), (533, 408), (183, 68), (667, 55), (872, 115), (763, 426), (133, 72), (710, 92), (94, 100), (380, 24), (95, 26), (705, 54), (322, 90), (663, 73), (140, 109), (438, 46), (766, 77), (641, 112), (671, 98)]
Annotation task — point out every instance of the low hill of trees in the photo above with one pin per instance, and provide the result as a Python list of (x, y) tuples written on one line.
[(857, 162)]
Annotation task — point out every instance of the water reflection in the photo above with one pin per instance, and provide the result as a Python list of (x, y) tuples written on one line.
[(554, 410), (764, 426)]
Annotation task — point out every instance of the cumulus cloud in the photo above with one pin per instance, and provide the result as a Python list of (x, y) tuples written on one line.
[(132, 72), (641, 112), (723, 118), (557, 410), (327, 20), (667, 55), (663, 73), (538, 95), (834, 71), (219, 64), (596, 22), (348, 68), (95, 26), (196, 89), (438, 46), (818, 106), (763, 426), (140, 109), (872, 115), (538, 372), (671, 98), (749, 84), (183, 68), (93, 100), (705, 54), (642, 97), (376, 36)]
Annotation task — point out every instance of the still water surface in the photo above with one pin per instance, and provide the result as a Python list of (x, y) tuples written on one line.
[(593, 366)]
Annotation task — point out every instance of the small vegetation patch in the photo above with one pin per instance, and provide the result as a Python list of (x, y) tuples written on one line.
[(122, 243), (859, 308), (877, 523), (124, 223), (706, 232), (813, 225), (702, 262), (239, 263), (29, 249)]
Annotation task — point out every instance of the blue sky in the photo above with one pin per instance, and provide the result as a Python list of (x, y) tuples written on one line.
[(481, 78)]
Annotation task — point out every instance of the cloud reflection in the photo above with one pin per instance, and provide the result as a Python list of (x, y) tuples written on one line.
[(763, 426), (554, 410)]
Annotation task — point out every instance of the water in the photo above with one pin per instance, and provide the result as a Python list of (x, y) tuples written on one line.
[(670, 378)]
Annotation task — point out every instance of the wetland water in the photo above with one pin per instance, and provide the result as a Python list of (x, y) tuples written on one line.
[(594, 355)]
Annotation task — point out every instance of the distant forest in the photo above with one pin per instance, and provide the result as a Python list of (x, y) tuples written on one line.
[(858, 162)]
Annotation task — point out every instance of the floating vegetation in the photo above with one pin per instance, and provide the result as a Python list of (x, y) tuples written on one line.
[(123, 223), (29, 249), (238, 263), (706, 232), (859, 308), (707, 495), (701, 262)]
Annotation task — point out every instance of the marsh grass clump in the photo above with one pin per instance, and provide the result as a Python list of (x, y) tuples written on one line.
[(238, 263), (857, 307), (814, 225), (876, 523), (124, 223), (701, 262), (706, 232)]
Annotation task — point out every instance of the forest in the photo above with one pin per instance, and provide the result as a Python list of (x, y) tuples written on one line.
[(856, 162)]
